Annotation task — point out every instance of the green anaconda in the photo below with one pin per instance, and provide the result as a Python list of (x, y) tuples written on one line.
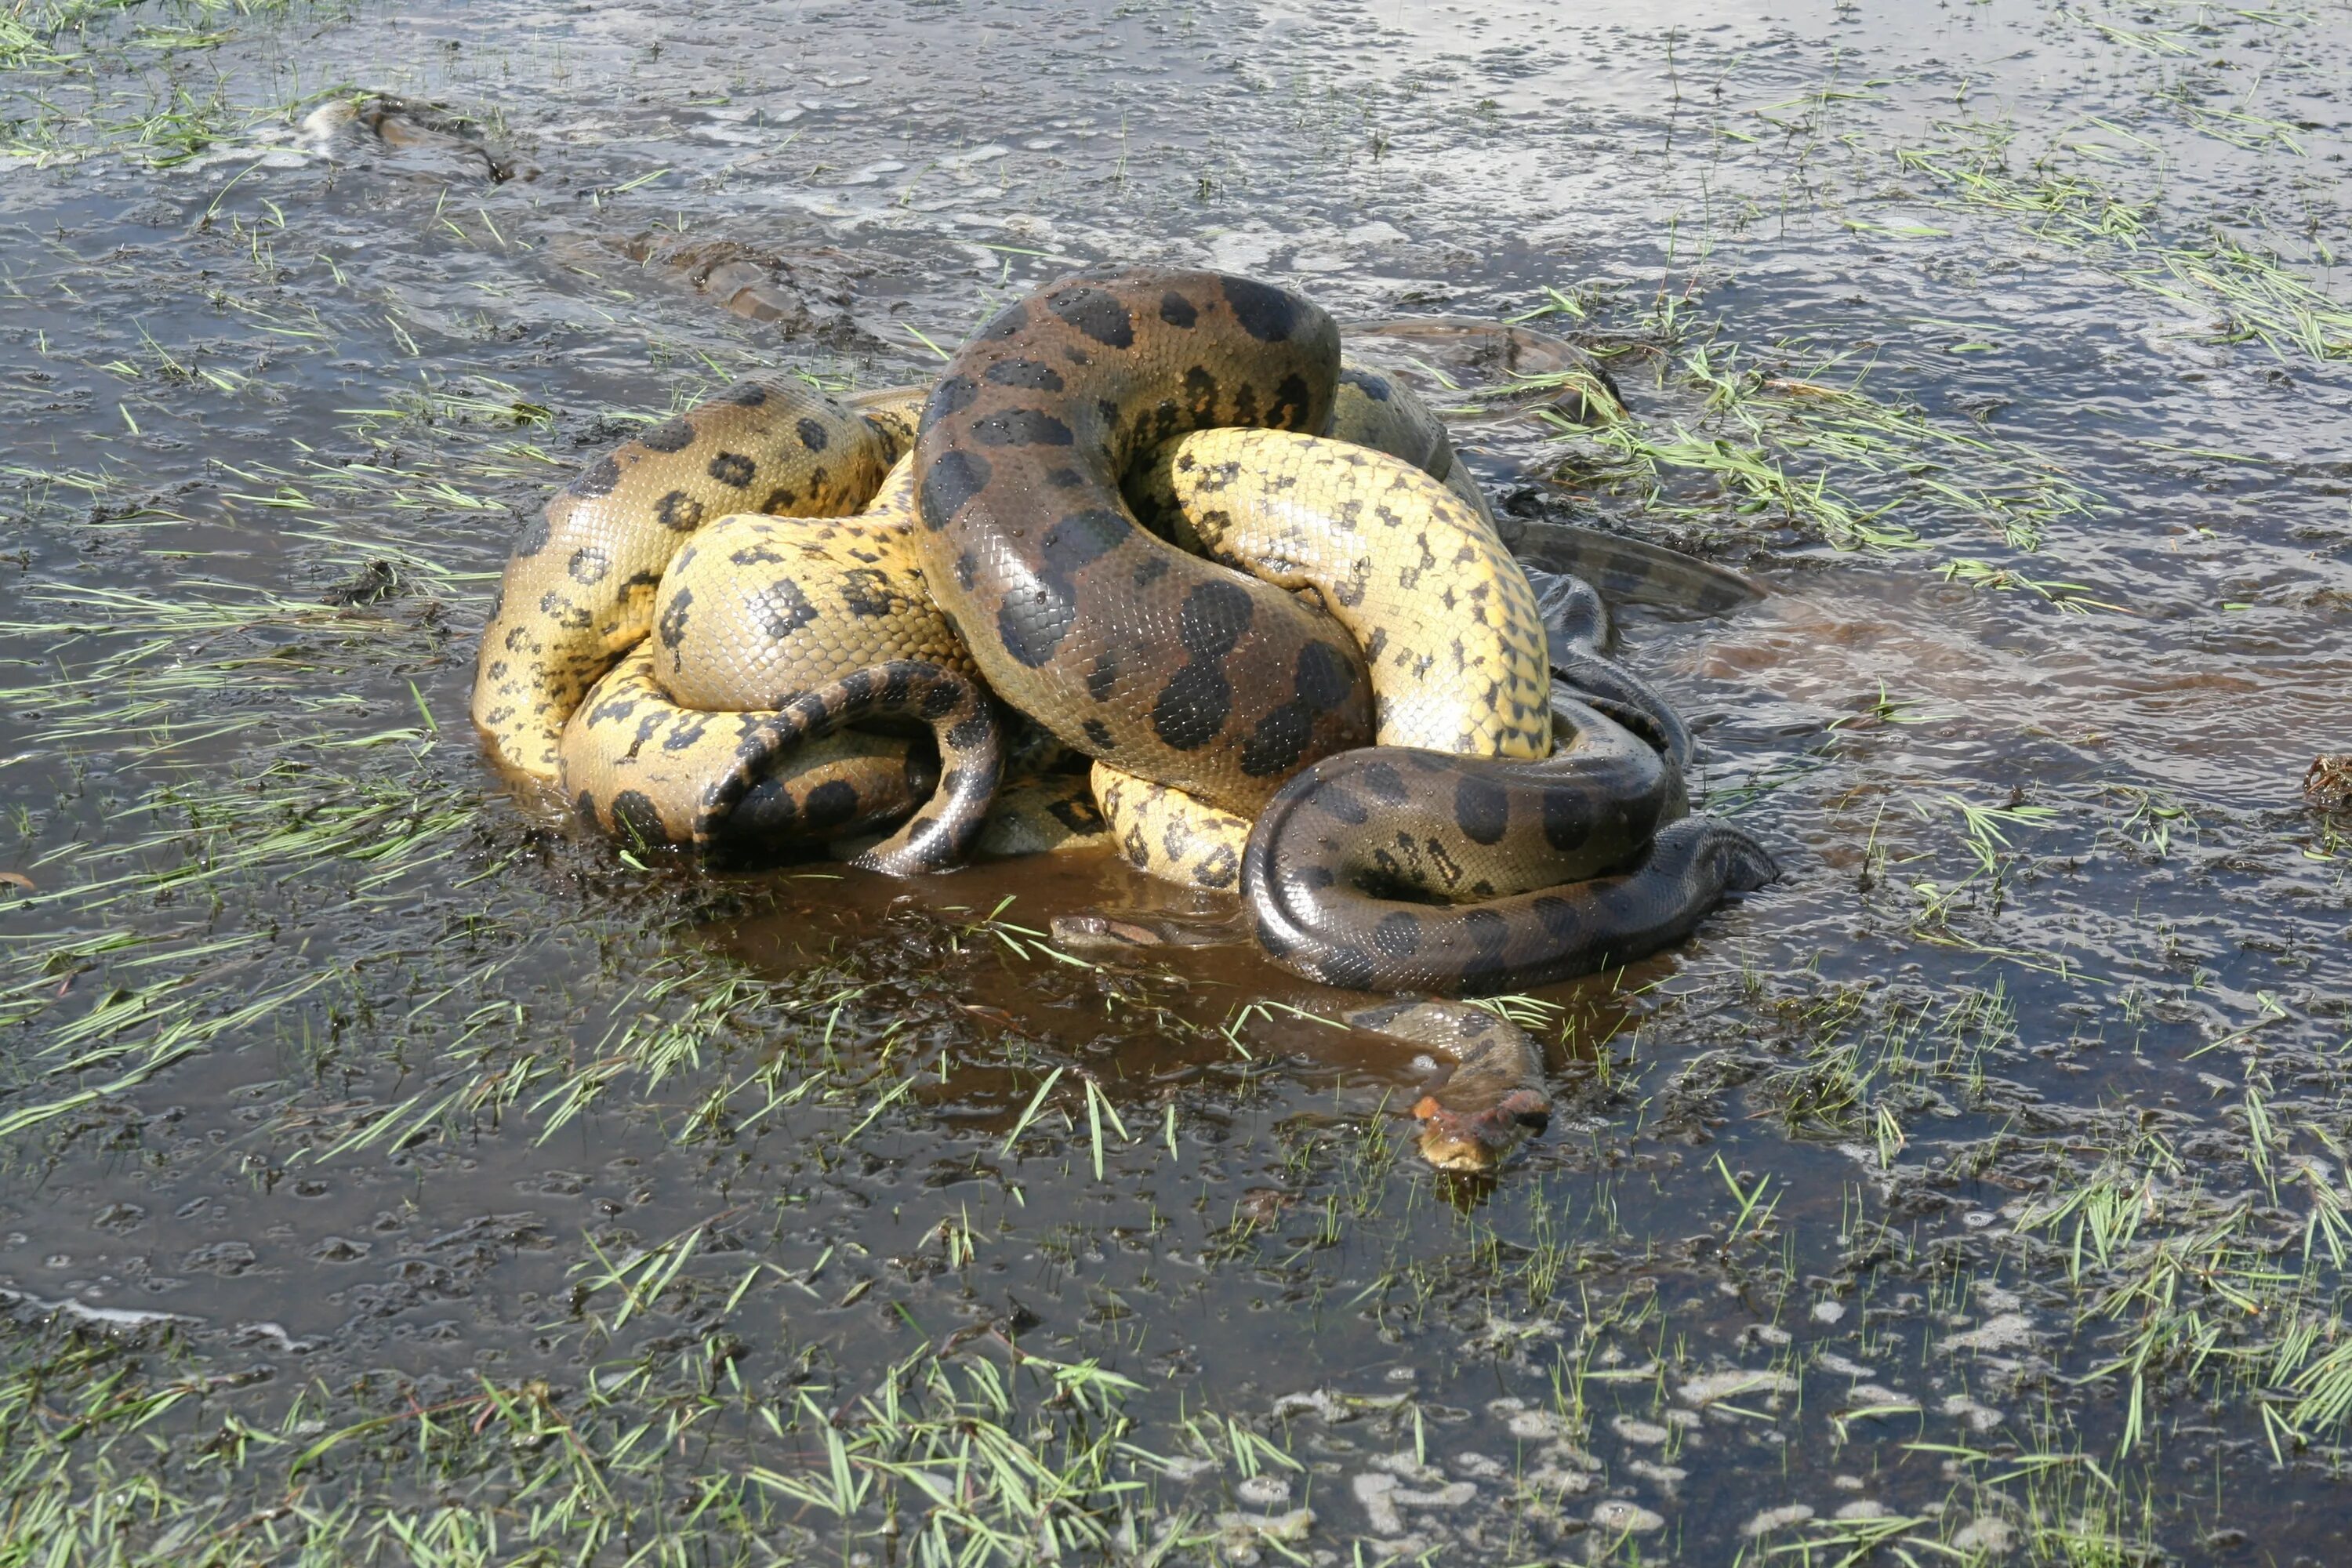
[(1220, 686)]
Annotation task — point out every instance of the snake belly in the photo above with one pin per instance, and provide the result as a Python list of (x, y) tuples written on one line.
[(1171, 667)]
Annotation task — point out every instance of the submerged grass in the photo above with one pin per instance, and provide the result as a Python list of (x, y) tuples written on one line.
[(1795, 437)]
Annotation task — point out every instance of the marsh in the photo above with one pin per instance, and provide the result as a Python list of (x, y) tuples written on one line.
[(393, 1172)]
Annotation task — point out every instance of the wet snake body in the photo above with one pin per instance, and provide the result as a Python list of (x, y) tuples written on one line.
[(579, 584), (1129, 650), (1064, 599), (1008, 551)]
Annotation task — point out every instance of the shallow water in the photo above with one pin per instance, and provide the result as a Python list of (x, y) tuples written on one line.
[(390, 1094)]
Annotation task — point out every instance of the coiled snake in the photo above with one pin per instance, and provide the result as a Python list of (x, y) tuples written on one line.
[(1362, 732)]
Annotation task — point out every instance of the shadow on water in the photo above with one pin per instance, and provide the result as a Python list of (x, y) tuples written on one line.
[(391, 1173)]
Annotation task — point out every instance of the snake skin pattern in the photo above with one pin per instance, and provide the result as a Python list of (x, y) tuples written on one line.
[(1131, 651), (753, 617), (639, 766), (1010, 553), (1447, 622), (579, 584)]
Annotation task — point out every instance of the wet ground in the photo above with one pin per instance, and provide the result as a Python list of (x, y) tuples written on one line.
[(388, 1172)]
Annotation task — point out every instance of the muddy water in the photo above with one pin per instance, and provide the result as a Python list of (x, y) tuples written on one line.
[(385, 1093)]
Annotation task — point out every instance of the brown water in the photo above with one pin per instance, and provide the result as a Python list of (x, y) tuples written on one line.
[(343, 1060)]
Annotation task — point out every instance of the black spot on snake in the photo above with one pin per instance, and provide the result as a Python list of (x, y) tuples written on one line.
[(671, 628), (1006, 322), (1098, 314), (1567, 818), (1488, 930), (597, 478), (1103, 677), (1482, 808), (939, 701), (751, 394), (1193, 708), (1266, 313), (786, 608), (564, 612), (732, 469), (1033, 628), (953, 394), (1325, 677), (678, 511), (830, 805), (767, 808), (970, 732), (1201, 393), (635, 816), (955, 478), (1213, 620), (1278, 743), (1288, 411), (866, 593), (780, 501), (1380, 780), (1020, 427), (1028, 373), (1337, 802), (589, 566), (1082, 538), (812, 434), (1176, 310), (669, 436), (1398, 935), (1375, 387), (1098, 736)]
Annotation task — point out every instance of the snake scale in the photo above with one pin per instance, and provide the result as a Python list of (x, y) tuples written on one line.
[(738, 627)]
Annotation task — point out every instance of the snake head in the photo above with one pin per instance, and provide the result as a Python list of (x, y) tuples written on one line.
[(1480, 1139)]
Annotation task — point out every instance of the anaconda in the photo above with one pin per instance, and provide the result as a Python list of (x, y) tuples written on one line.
[(1066, 603), (1126, 647), (1170, 667)]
